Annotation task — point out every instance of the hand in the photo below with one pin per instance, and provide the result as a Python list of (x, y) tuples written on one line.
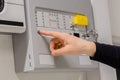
[(63, 43)]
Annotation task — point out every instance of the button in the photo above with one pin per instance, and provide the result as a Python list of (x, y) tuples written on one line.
[(46, 19), (40, 19), (68, 20), (53, 20), (61, 21), (76, 34)]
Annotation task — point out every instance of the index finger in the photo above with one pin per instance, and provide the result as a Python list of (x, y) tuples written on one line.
[(52, 33)]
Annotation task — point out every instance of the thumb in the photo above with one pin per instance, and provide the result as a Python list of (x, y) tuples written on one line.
[(61, 51)]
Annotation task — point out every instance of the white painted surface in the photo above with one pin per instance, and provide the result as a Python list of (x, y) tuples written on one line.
[(102, 23), (15, 1), (115, 16), (115, 20), (13, 13)]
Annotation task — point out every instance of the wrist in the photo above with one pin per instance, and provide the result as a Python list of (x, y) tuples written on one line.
[(91, 48)]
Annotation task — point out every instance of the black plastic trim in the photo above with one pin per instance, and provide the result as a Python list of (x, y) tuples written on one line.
[(1, 5), (13, 23)]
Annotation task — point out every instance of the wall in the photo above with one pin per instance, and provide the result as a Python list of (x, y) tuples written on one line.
[(6, 59), (115, 20), (103, 28), (115, 24), (115, 16)]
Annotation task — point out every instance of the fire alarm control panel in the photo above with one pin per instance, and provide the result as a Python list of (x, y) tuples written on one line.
[(73, 17)]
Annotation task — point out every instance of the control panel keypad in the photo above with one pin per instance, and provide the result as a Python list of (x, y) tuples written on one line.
[(54, 19)]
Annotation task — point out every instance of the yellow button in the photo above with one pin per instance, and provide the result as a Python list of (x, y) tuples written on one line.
[(80, 20)]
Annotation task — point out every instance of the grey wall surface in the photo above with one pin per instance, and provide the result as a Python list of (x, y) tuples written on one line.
[(115, 20), (7, 71)]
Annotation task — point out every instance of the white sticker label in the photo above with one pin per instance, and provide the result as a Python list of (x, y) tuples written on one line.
[(46, 60), (84, 60)]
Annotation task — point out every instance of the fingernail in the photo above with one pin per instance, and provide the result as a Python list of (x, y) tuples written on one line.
[(38, 32)]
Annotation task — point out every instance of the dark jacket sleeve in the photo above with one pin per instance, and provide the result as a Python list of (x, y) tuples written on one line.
[(107, 54)]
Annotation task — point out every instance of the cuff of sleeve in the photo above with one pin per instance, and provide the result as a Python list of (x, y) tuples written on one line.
[(97, 54)]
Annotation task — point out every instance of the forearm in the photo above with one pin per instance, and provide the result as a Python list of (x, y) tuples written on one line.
[(107, 54)]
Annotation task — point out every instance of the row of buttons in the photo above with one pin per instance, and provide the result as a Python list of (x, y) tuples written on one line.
[(53, 20)]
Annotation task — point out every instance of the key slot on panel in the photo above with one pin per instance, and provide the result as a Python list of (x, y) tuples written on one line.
[(76, 34)]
